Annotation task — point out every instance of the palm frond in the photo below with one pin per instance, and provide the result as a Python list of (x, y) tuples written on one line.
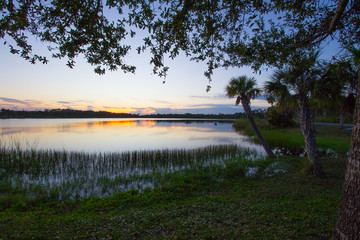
[(355, 55), (298, 78), (242, 86)]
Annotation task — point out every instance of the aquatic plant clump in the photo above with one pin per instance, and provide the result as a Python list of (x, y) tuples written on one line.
[(79, 174)]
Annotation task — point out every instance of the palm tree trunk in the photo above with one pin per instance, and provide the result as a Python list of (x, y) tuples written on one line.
[(249, 116), (342, 120), (348, 220), (306, 118)]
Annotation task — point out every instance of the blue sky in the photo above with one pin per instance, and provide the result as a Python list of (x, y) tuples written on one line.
[(54, 85), (25, 86)]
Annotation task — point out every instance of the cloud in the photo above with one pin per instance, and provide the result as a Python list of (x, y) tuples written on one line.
[(147, 110), (12, 100), (255, 103), (200, 109), (108, 107), (17, 104), (9, 106), (90, 108), (209, 107), (30, 101), (75, 102), (203, 108), (219, 96), (223, 98)]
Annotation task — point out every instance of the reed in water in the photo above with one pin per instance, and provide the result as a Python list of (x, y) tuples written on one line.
[(71, 175)]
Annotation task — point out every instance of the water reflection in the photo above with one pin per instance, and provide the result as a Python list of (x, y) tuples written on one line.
[(114, 135)]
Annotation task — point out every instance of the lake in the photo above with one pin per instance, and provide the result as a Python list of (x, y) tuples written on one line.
[(117, 135), (105, 156)]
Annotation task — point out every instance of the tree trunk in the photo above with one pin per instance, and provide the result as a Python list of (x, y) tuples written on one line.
[(306, 118), (342, 120), (247, 110), (348, 220)]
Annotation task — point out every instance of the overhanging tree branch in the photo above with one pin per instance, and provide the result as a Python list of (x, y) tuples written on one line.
[(338, 14)]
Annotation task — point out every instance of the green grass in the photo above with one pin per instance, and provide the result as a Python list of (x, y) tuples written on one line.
[(333, 118), (327, 137), (285, 206)]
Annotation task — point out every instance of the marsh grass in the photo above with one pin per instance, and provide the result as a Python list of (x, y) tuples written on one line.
[(60, 175)]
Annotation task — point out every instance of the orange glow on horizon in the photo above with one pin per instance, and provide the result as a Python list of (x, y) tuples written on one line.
[(117, 110), (148, 111), (123, 123)]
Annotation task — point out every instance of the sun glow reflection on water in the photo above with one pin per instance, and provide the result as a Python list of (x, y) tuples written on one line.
[(117, 135)]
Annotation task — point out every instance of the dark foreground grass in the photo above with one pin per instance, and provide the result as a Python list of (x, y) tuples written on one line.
[(285, 206)]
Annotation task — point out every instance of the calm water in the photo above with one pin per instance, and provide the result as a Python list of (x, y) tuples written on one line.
[(116, 135)]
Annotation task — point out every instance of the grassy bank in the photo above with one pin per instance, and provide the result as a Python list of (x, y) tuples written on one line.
[(333, 117), (327, 137)]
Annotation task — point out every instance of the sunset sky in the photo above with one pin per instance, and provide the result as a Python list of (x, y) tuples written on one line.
[(36, 87)]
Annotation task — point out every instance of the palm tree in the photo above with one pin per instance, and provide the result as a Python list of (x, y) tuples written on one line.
[(342, 77), (294, 87), (245, 90)]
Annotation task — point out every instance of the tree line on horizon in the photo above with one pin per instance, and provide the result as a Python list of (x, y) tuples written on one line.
[(71, 113)]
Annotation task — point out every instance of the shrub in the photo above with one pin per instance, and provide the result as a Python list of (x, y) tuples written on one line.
[(279, 118)]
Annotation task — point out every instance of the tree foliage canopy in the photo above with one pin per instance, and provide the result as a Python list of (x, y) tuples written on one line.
[(222, 33), (341, 82), (302, 77)]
